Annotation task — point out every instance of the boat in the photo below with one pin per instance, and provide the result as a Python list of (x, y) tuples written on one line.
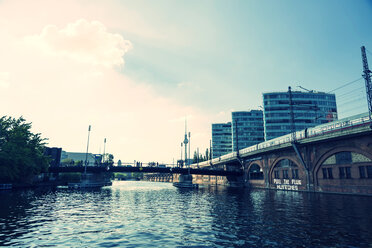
[(185, 181), (84, 185), (185, 185)]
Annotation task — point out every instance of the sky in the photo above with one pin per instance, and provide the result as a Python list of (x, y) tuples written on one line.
[(136, 70)]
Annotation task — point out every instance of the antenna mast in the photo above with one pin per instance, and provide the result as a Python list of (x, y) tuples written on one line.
[(367, 78)]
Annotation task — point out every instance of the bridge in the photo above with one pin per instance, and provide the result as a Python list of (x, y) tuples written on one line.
[(145, 169), (332, 157)]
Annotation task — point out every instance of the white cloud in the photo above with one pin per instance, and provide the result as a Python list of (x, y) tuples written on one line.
[(83, 41)]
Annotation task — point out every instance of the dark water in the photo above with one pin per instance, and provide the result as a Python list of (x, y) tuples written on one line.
[(144, 214)]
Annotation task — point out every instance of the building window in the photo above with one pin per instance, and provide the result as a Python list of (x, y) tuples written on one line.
[(285, 174), (325, 174), (362, 171), (294, 173), (343, 158), (330, 174), (342, 172), (369, 171), (276, 174), (348, 172), (345, 172)]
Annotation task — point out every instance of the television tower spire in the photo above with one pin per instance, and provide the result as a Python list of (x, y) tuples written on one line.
[(185, 141), (367, 78)]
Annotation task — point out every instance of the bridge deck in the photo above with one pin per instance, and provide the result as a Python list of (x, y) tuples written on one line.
[(176, 170)]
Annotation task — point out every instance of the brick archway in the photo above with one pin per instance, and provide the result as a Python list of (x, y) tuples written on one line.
[(293, 181), (259, 164), (255, 182), (322, 158)]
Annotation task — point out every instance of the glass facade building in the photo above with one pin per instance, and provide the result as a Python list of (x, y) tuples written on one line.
[(247, 128), (309, 109), (221, 139)]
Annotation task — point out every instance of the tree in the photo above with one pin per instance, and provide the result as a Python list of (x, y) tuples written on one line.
[(207, 154), (21, 152), (67, 162)]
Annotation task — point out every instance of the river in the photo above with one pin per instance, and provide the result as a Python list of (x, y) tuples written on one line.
[(148, 214)]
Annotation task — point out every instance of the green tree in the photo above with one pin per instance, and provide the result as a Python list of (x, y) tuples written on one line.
[(206, 154), (67, 162), (21, 152)]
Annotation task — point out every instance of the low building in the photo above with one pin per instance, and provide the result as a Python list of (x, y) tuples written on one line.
[(55, 155), (76, 157)]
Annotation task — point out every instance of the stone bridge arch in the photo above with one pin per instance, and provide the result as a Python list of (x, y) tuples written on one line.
[(254, 174), (344, 166), (287, 173)]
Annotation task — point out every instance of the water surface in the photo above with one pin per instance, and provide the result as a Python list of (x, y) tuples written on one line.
[(148, 214)]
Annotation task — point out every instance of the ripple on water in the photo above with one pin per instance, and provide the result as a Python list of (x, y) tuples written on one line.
[(143, 214)]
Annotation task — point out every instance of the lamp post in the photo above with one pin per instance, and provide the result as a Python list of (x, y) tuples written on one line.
[(86, 154)]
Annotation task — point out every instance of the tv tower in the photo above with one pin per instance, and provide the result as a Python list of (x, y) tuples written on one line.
[(185, 141)]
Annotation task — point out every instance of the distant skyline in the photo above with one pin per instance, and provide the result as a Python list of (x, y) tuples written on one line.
[(134, 70)]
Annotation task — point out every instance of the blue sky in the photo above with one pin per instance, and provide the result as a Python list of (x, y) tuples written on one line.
[(169, 60), (232, 51)]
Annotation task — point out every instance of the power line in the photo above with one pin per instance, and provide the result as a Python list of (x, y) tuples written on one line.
[(342, 86), (353, 91), (355, 100), (353, 94), (358, 107), (351, 97)]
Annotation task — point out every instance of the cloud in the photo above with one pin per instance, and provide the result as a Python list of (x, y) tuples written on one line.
[(4, 79), (83, 41)]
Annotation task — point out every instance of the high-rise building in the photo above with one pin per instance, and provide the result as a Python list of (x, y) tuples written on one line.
[(247, 128), (221, 139), (308, 110)]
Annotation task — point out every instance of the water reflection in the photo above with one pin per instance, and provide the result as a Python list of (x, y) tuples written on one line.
[(132, 214)]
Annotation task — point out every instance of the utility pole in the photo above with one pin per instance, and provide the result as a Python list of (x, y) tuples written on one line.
[(189, 149), (86, 154), (367, 78), (293, 129)]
